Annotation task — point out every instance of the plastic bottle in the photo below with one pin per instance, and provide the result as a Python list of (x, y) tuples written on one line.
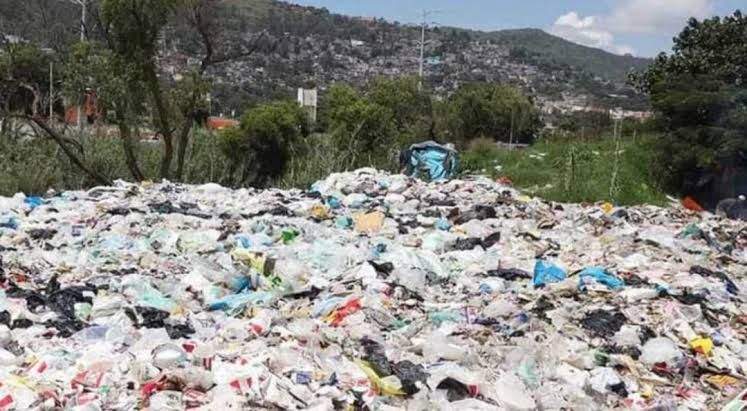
[(168, 356), (235, 280)]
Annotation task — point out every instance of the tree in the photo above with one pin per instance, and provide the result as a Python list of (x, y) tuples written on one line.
[(118, 85), (586, 122), (24, 78), (362, 129), (409, 104), (706, 130), (699, 93), (125, 65), (495, 111), (715, 47), (134, 27), (23, 83), (261, 146)]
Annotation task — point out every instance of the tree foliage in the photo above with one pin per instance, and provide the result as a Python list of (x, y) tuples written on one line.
[(499, 112), (24, 77), (706, 123), (261, 146), (700, 94), (715, 47), (594, 122), (122, 65), (409, 103), (360, 128)]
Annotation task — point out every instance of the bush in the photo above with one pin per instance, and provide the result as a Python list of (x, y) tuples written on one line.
[(410, 105), (489, 110), (259, 149)]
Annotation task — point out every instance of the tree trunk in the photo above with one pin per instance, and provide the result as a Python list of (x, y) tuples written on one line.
[(228, 177), (5, 120), (100, 179), (162, 118), (184, 138), (37, 98), (125, 133)]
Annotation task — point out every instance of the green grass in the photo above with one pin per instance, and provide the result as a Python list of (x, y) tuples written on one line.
[(38, 165), (569, 170)]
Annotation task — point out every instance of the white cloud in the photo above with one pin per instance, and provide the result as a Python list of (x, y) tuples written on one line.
[(655, 16), (630, 17), (587, 31)]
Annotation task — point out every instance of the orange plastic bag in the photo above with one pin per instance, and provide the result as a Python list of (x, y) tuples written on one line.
[(692, 205), (338, 315)]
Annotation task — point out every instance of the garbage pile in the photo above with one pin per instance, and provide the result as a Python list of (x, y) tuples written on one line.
[(368, 291)]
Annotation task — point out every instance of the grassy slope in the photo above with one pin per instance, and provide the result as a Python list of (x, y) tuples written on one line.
[(544, 170)]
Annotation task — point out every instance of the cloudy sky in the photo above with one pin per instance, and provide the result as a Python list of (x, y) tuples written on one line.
[(639, 27)]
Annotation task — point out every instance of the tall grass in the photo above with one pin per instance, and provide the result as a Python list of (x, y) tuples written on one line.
[(569, 170), (38, 165), (317, 157)]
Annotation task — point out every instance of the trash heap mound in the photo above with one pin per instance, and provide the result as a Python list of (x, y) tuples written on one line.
[(368, 291)]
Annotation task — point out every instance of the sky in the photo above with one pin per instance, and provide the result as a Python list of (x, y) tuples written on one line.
[(639, 27)]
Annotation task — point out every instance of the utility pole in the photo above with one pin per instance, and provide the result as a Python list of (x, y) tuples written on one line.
[(84, 6), (426, 14), (422, 46), (511, 135), (51, 91)]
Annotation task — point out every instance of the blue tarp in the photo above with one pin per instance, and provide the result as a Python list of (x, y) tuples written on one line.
[(433, 160)]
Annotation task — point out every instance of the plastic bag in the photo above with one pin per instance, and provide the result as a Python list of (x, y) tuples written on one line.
[(546, 273), (660, 350), (600, 275), (385, 386)]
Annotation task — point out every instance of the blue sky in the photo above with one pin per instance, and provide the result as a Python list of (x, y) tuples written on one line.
[(639, 27)]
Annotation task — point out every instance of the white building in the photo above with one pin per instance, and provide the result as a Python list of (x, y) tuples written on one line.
[(307, 99)]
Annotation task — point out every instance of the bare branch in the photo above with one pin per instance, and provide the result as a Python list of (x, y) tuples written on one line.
[(61, 136), (63, 144)]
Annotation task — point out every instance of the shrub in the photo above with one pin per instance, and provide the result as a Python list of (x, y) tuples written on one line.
[(259, 149)]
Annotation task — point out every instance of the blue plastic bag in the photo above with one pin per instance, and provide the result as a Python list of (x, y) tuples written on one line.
[(443, 224), (243, 241), (343, 222), (9, 222), (232, 303), (33, 201), (333, 203), (600, 275), (546, 272)]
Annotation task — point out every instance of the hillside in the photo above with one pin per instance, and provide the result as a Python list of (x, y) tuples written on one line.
[(543, 48), (307, 46)]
